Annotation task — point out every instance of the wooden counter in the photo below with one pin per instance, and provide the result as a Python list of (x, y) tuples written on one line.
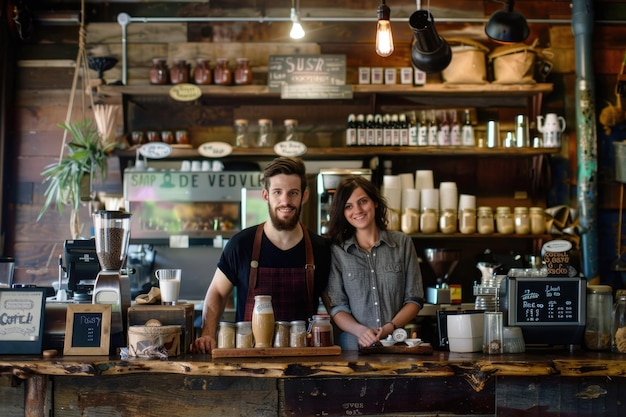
[(304, 385)]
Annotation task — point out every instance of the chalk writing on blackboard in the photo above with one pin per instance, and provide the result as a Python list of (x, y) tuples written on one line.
[(541, 301), (87, 329)]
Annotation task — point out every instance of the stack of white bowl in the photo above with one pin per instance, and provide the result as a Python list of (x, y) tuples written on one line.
[(465, 332)]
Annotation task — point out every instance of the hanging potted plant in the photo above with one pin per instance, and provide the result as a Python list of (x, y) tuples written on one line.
[(70, 180)]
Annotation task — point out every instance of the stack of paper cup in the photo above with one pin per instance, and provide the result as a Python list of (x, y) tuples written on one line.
[(411, 199), (393, 195), (467, 201), (429, 199), (406, 180), (424, 180), (448, 196)]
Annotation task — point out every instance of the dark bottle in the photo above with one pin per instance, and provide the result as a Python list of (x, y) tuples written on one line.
[(180, 72), (443, 135), (432, 129), (378, 130), (422, 130), (361, 131), (370, 130), (467, 131), (404, 129), (202, 73), (413, 129), (351, 131), (222, 74), (387, 130), (159, 73), (243, 72), (455, 129), (395, 130)]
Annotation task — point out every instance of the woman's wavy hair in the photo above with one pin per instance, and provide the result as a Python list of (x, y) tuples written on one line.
[(339, 229)]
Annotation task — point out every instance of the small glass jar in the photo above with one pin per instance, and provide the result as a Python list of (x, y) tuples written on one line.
[(244, 337), (505, 224), (537, 220), (182, 137), (321, 331), (291, 129), (522, 220), (222, 74), (428, 221), (226, 335), (297, 334), (241, 133), (167, 136), (281, 334), (393, 219), (410, 221), (484, 220), (202, 73), (467, 221), (243, 72), (179, 73), (447, 221), (598, 331), (265, 133), (618, 323), (159, 73)]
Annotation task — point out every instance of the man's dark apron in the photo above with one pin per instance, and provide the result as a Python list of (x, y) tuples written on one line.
[(278, 282)]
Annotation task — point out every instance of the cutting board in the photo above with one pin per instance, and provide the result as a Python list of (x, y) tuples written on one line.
[(269, 352), (421, 349)]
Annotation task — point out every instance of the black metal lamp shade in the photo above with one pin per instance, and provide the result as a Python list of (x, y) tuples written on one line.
[(430, 52), (507, 26)]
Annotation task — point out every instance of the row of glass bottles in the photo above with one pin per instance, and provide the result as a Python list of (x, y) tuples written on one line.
[(202, 74), (407, 130), (522, 221), (264, 135)]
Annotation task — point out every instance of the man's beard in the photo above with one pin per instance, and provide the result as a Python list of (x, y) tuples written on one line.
[(288, 224)]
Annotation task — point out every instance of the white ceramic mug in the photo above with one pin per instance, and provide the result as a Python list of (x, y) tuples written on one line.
[(169, 284)]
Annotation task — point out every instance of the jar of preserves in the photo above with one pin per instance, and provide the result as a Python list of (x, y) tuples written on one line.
[(467, 221), (226, 335), (522, 220), (159, 73), (202, 73), (484, 220), (598, 332), (537, 220), (428, 221), (222, 74), (265, 133), (320, 331), (243, 72), (447, 221), (244, 337), (241, 133), (180, 72), (291, 129), (410, 221), (297, 334), (618, 323), (505, 223), (281, 334)]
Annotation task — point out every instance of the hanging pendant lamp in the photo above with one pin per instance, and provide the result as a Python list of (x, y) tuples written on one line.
[(430, 52), (507, 26)]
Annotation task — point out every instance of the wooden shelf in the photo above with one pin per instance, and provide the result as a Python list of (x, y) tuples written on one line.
[(369, 151)]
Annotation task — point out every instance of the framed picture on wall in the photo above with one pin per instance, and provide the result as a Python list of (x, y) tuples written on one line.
[(21, 320), (87, 329)]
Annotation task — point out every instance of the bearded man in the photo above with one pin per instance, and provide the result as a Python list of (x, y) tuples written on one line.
[(280, 257)]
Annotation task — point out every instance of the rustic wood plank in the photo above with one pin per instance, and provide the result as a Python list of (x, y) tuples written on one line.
[(275, 352), (111, 33)]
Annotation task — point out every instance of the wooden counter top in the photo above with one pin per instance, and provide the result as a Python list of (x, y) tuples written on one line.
[(476, 366)]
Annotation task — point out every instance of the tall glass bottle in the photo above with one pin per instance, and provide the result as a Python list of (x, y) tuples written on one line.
[(443, 135), (370, 130), (395, 130), (433, 128), (413, 129), (351, 131), (387, 130), (455, 129), (378, 130), (422, 130), (263, 321), (361, 131), (404, 129), (467, 131)]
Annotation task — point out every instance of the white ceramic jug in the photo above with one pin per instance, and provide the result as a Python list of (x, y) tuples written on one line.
[(551, 127)]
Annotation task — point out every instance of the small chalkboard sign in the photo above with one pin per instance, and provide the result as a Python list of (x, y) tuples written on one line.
[(87, 329), (546, 301)]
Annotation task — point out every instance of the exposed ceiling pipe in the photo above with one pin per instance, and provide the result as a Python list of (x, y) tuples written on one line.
[(586, 139)]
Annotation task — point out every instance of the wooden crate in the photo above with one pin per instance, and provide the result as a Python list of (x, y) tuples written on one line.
[(169, 315)]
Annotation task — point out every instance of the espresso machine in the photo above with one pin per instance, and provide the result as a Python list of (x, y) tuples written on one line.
[(328, 180), (112, 235)]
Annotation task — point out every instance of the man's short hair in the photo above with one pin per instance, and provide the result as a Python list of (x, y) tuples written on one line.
[(287, 166)]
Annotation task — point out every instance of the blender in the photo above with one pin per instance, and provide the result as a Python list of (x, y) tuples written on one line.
[(112, 234)]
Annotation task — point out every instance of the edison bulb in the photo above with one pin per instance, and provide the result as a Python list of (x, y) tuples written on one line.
[(384, 38), (297, 31)]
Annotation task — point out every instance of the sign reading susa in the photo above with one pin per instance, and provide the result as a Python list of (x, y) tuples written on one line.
[(310, 70), (188, 186)]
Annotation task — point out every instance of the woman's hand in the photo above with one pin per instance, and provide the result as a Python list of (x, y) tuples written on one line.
[(204, 344), (367, 337)]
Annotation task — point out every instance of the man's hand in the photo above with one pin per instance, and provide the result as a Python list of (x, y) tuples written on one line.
[(204, 344)]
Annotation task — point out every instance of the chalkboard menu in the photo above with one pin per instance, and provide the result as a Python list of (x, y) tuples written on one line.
[(546, 301), (308, 76), (87, 329)]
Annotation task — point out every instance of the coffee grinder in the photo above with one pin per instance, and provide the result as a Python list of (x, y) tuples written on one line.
[(112, 234)]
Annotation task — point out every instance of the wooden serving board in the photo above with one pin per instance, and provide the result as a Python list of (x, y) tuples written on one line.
[(421, 349), (269, 352)]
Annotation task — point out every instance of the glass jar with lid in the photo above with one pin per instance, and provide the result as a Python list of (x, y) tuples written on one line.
[(180, 72), (484, 220), (522, 220), (265, 133), (221, 73), (281, 334), (291, 129), (598, 332), (159, 73), (241, 133), (244, 337), (428, 221), (618, 323), (447, 221), (226, 335), (505, 224), (297, 334), (202, 74), (320, 331), (537, 220), (467, 221)]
